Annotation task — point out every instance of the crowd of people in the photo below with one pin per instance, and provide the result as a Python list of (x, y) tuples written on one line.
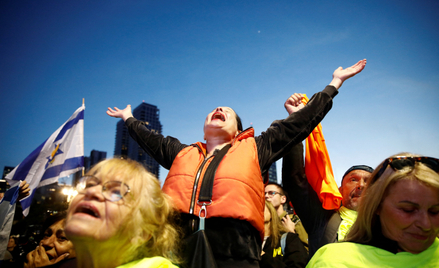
[(121, 218)]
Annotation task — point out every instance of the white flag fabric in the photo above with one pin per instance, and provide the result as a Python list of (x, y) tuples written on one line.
[(7, 212), (60, 155)]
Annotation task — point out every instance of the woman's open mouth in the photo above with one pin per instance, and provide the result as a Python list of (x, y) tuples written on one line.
[(218, 115), (87, 209)]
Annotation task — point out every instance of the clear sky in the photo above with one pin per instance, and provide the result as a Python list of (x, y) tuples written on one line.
[(188, 57)]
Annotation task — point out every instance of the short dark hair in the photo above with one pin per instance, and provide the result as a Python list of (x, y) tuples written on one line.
[(278, 186), (282, 191), (238, 120), (52, 219)]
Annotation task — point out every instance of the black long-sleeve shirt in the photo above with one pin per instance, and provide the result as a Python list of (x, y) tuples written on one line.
[(235, 238)]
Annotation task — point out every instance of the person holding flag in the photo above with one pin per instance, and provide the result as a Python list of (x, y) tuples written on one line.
[(60, 155), (7, 210)]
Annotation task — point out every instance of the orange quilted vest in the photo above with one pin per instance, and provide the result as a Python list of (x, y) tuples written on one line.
[(238, 190)]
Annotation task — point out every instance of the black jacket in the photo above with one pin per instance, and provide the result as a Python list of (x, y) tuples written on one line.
[(320, 224), (294, 254), (272, 144)]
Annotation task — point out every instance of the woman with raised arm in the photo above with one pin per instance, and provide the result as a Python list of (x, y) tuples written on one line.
[(235, 215)]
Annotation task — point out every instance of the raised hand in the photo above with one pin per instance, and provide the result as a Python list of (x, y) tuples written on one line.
[(340, 75), (294, 103), (289, 224), (24, 190), (39, 258), (124, 114)]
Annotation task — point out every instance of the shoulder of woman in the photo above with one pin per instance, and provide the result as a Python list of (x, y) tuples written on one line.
[(154, 262), (332, 254), (333, 250)]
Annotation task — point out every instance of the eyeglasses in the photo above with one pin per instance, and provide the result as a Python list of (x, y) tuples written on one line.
[(400, 162), (112, 190), (272, 193)]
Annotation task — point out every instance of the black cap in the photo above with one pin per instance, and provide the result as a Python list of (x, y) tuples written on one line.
[(359, 167)]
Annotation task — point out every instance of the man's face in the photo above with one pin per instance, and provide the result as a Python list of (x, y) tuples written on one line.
[(221, 122), (276, 199), (352, 187)]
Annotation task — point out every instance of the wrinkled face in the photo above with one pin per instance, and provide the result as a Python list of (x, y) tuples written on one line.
[(221, 121), (352, 187), (277, 199), (55, 241), (91, 216), (409, 215)]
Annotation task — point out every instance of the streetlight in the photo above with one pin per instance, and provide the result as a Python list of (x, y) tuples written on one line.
[(70, 192)]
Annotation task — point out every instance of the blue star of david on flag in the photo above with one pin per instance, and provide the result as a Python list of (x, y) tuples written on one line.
[(48, 163)]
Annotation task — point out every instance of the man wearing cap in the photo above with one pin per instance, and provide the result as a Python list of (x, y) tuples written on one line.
[(323, 226)]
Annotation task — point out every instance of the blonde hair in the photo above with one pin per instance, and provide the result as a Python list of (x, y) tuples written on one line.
[(276, 227), (377, 190), (149, 230)]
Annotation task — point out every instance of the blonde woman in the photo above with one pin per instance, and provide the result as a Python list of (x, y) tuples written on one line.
[(121, 218), (398, 219), (275, 253)]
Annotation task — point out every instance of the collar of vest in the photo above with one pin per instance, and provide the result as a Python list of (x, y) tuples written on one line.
[(247, 133)]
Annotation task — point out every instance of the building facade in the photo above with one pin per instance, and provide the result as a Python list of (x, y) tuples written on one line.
[(96, 157), (272, 173), (6, 171), (125, 147)]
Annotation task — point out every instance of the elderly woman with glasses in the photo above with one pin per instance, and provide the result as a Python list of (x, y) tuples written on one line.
[(121, 218), (398, 219)]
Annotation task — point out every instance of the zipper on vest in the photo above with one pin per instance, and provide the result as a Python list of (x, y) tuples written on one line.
[(197, 178), (194, 190)]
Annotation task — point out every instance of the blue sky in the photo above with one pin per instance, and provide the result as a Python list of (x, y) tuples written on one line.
[(188, 57)]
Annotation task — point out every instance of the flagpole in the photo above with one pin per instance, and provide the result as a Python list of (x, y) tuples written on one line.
[(83, 167)]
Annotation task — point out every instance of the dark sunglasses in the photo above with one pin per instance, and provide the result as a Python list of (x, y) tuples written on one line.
[(400, 162)]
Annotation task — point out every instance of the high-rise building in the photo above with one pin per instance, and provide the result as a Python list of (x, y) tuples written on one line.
[(6, 171), (96, 156), (272, 173), (126, 147)]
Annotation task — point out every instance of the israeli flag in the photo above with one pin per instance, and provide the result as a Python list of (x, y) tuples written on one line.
[(60, 155)]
